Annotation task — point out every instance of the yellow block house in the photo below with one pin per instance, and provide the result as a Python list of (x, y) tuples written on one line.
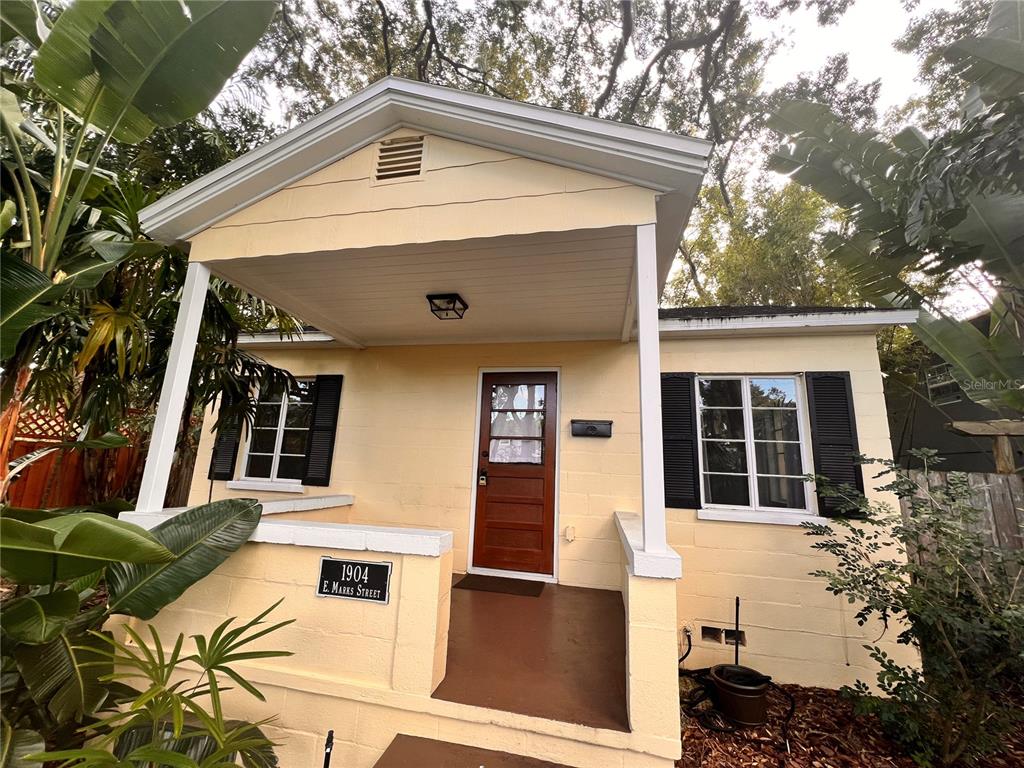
[(492, 391)]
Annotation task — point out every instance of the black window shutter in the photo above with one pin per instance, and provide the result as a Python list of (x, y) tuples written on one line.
[(225, 445), (322, 429), (833, 434), (679, 440)]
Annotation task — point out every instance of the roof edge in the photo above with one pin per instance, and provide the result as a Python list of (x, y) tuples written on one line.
[(860, 320), (819, 321)]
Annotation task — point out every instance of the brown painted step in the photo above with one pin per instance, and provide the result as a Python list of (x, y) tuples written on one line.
[(416, 752)]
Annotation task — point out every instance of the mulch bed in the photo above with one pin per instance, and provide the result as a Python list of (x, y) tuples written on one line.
[(824, 733)]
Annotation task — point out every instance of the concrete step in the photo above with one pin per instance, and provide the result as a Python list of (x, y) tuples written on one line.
[(416, 752)]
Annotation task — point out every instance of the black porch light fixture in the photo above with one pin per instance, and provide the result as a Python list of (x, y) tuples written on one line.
[(447, 306)]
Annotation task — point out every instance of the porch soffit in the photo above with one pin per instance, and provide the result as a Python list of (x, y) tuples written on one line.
[(536, 287)]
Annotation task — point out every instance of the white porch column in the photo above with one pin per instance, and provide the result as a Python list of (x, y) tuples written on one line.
[(175, 387), (652, 466)]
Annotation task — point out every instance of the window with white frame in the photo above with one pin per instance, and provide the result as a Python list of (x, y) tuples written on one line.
[(753, 445), (277, 442)]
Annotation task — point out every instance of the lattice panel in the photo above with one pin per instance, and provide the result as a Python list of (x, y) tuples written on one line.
[(42, 425)]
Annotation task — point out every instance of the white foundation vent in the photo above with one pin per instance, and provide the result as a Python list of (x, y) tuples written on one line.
[(400, 158)]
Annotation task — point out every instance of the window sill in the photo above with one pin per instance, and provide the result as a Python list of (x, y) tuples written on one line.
[(273, 486), (768, 516)]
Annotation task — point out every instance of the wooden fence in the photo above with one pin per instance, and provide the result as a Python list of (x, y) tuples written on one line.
[(58, 479), (1000, 499)]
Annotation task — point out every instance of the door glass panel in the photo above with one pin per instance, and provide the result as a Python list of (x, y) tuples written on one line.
[(783, 492), (516, 451), (726, 393), (517, 424), (722, 423), (517, 396), (773, 393), (727, 489)]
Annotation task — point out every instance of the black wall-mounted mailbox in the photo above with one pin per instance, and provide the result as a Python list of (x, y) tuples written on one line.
[(591, 428)]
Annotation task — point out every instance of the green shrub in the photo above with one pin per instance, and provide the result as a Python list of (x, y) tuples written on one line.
[(71, 571), (953, 596), (175, 717)]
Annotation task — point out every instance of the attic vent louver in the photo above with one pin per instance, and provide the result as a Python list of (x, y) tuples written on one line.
[(399, 158)]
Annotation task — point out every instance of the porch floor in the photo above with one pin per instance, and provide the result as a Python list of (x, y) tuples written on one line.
[(560, 656)]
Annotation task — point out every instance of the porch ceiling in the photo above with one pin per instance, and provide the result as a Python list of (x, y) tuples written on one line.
[(550, 286)]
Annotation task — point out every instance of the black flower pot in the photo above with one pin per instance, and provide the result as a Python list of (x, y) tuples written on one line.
[(741, 693)]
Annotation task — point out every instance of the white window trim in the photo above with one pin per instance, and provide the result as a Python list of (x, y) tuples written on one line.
[(272, 483), (274, 486), (755, 513)]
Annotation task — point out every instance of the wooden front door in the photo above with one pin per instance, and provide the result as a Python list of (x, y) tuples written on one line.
[(515, 493)]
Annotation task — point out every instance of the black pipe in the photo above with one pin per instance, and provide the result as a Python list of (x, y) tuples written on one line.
[(689, 647), (736, 638), (328, 747)]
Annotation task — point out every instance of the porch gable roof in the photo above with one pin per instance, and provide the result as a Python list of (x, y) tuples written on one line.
[(670, 164)]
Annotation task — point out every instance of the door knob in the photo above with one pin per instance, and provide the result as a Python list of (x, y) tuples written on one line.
[(482, 480)]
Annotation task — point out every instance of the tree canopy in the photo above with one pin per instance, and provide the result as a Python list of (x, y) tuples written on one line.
[(769, 250)]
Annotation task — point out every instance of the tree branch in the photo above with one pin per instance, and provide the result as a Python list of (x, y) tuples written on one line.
[(694, 275), (617, 57), (466, 72), (385, 30), (674, 45)]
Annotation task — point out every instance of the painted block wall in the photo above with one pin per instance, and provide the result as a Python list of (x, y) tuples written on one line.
[(405, 444), (393, 646), (405, 451), (795, 630), (366, 671)]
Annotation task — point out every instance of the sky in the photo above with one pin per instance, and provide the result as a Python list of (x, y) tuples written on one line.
[(866, 32)]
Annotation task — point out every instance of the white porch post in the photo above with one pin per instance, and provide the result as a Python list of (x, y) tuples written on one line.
[(652, 468), (174, 389)]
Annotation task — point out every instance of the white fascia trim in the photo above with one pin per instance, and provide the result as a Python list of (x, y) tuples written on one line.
[(271, 339), (825, 320), (354, 538), (395, 103), (655, 565)]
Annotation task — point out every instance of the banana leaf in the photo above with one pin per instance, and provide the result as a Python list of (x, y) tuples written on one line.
[(22, 288), (64, 69), (16, 744), (38, 619), (20, 18), (27, 295), (64, 675), (69, 546), (146, 63), (995, 61), (11, 110), (201, 538)]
